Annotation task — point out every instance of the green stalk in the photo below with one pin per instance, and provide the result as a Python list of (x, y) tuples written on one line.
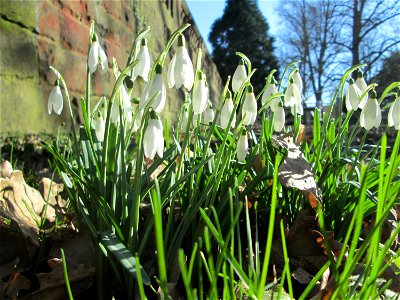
[(64, 263), (268, 246)]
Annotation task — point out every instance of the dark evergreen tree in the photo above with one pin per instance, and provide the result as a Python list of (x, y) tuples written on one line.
[(243, 28)]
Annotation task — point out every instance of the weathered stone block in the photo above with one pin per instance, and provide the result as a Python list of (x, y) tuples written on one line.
[(18, 52), (114, 8), (23, 12), (24, 108)]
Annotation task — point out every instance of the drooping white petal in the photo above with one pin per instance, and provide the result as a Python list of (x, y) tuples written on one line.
[(142, 68), (242, 147), (150, 143), (270, 91), (100, 128), (183, 69), (226, 111), (279, 119), (200, 97), (238, 77), (362, 85), (144, 97), (298, 81), (158, 85), (185, 117), (292, 95), (125, 102), (208, 115), (352, 97), (138, 120), (55, 101), (170, 73), (371, 114), (159, 138), (114, 116), (103, 59), (249, 109), (93, 59), (394, 114)]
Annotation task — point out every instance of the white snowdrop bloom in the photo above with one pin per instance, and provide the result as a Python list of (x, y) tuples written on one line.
[(298, 81), (239, 76), (137, 121), (185, 117), (100, 127), (200, 94), (155, 85), (270, 91), (142, 67), (279, 118), (227, 110), (208, 114), (124, 101), (371, 114), (394, 113), (97, 56), (242, 146), (362, 85), (55, 101), (249, 109), (352, 96), (292, 97), (153, 138), (180, 70)]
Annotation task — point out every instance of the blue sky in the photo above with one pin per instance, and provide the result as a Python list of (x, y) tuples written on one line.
[(205, 12)]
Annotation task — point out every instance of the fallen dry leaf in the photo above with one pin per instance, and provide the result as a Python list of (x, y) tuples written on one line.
[(295, 171), (16, 283), (52, 284)]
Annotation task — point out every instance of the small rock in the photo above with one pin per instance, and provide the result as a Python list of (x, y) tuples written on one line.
[(5, 169)]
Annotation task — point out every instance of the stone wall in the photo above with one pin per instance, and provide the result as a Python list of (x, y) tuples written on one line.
[(37, 34)]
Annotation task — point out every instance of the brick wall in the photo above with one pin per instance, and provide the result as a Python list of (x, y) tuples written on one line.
[(37, 34)]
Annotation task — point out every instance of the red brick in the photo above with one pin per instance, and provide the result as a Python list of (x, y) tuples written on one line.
[(49, 24), (114, 51), (114, 8), (74, 34)]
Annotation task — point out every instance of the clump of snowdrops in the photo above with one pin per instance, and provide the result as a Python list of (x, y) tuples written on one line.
[(179, 219)]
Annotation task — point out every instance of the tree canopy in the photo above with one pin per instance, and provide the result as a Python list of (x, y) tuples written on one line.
[(243, 28)]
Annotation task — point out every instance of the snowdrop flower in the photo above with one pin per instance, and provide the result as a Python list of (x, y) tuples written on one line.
[(155, 85), (394, 113), (100, 127), (142, 68), (352, 96), (226, 111), (180, 70), (55, 101), (298, 81), (292, 97), (97, 56), (239, 76), (185, 117), (153, 138), (270, 91), (249, 109), (137, 120), (279, 117), (371, 114), (208, 114), (361, 84), (125, 102), (200, 94), (242, 146)]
